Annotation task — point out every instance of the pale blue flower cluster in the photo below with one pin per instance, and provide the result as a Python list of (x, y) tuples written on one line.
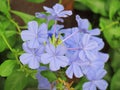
[(77, 48)]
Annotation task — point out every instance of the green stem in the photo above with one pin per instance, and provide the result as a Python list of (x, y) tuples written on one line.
[(16, 57), (5, 40), (15, 25), (8, 1)]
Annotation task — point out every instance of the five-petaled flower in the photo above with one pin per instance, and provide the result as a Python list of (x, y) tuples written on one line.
[(55, 57), (35, 34), (58, 12), (31, 56), (95, 80)]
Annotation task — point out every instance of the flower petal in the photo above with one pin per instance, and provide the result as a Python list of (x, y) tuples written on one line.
[(61, 50), (43, 84), (49, 10), (103, 57), (54, 65), (40, 15), (62, 61), (89, 86), (46, 58), (26, 48), (85, 39), (33, 26), (50, 49), (25, 58), (27, 35), (65, 13), (58, 8), (83, 24), (91, 45), (101, 84), (99, 42), (91, 55), (33, 43), (69, 71), (34, 64), (42, 29), (95, 31), (100, 74), (82, 55), (77, 71)]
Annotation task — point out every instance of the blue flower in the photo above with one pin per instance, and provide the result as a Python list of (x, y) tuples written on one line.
[(31, 56), (43, 83), (54, 56), (88, 48), (44, 16), (99, 41), (74, 68), (35, 34), (83, 25), (95, 80), (95, 65), (58, 11), (74, 40)]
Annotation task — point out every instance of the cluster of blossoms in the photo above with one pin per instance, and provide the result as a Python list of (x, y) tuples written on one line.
[(77, 48)]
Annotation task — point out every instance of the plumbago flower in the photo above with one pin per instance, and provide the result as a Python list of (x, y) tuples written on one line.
[(88, 48), (74, 68), (31, 56), (83, 25), (55, 57), (57, 12), (77, 48), (35, 34), (44, 16), (95, 80)]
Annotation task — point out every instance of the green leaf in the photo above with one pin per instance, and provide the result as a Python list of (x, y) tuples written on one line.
[(32, 82), (111, 32), (7, 67), (115, 59), (24, 16), (9, 32), (4, 7), (115, 82), (112, 36), (97, 6), (36, 1), (49, 75), (10, 35), (16, 81), (2, 45), (114, 7)]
